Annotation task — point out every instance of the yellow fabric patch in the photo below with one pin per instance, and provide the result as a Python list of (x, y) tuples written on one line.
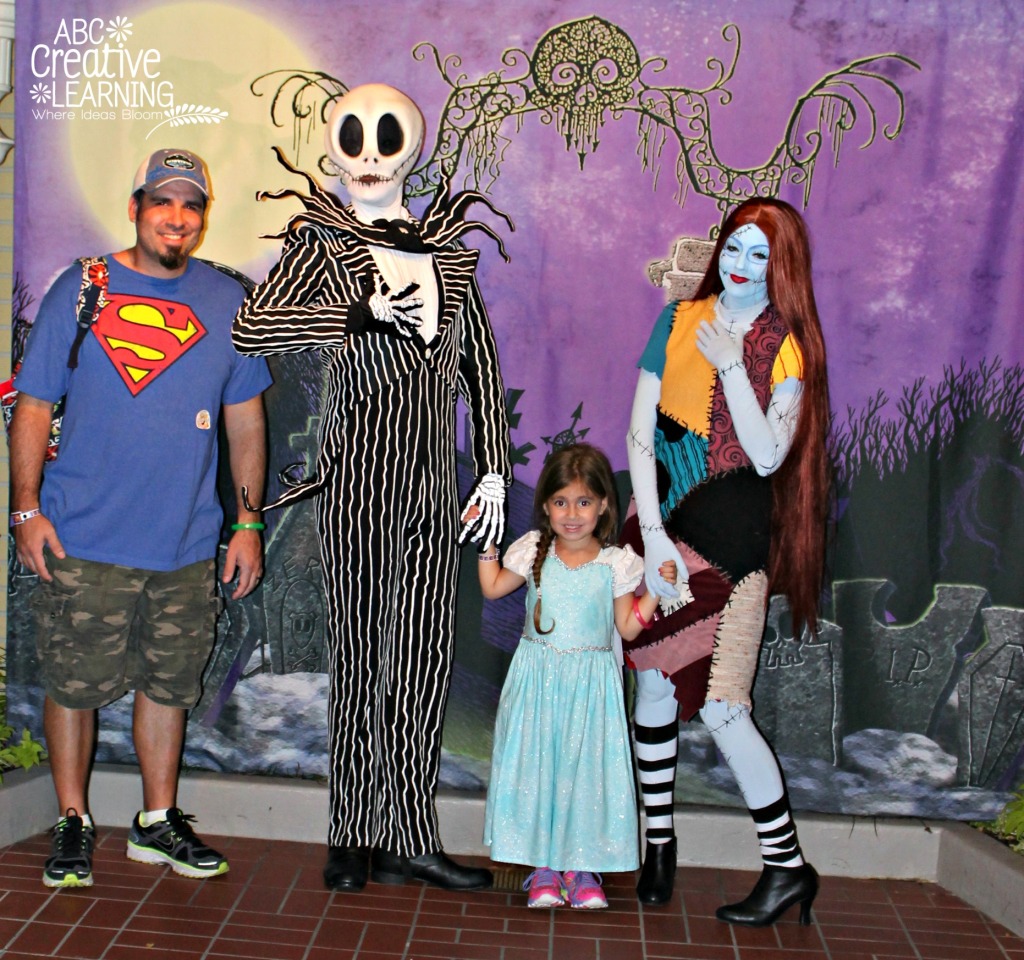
[(789, 362), (689, 380)]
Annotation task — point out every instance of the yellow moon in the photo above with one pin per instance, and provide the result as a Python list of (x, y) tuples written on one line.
[(209, 54)]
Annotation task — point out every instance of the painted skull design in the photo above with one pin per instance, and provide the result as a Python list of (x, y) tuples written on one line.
[(374, 135)]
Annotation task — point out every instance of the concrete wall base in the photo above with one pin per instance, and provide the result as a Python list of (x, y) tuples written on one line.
[(26, 804)]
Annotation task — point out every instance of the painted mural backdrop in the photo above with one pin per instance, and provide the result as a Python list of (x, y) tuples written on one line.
[(615, 136)]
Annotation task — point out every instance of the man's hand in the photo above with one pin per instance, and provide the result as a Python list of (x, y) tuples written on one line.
[(30, 540), (484, 513), (244, 559), (30, 434)]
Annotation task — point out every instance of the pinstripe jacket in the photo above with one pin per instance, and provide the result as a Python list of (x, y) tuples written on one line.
[(325, 269)]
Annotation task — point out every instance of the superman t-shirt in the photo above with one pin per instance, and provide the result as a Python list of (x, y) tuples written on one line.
[(135, 479)]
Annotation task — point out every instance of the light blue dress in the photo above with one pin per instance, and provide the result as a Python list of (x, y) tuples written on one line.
[(561, 792)]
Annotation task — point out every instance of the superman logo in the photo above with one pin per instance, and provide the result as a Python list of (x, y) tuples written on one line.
[(144, 336)]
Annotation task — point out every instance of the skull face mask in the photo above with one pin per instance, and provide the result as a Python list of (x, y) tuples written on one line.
[(373, 136)]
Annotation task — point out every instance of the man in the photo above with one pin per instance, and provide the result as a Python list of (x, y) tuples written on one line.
[(123, 526), (393, 306)]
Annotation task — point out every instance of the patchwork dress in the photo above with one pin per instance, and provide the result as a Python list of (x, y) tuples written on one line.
[(715, 506)]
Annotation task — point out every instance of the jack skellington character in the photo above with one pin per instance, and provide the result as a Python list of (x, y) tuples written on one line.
[(394, 308)]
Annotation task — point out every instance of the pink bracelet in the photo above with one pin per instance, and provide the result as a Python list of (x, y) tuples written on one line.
[(639, 616)]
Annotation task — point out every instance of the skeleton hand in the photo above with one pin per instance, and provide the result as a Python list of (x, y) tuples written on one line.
[(718, 348), (399, 309), (484, 513)]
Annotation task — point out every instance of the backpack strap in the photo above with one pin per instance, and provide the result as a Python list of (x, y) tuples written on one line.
[(91, 299), (244, 279)]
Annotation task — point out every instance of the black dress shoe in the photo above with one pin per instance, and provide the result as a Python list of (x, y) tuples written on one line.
[(774, 893), (433, 868), (658, 875), (347, 868)]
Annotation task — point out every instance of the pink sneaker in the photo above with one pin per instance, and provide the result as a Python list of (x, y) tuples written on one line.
[(584, 890), (544, 888)]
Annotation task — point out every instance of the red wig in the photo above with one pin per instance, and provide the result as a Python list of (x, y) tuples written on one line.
[(800, 487)]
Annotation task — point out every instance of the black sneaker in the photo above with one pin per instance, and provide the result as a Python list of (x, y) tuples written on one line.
[(70, 864), (172, 841)]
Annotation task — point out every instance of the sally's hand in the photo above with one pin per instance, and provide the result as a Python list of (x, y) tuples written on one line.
[(717, 347)]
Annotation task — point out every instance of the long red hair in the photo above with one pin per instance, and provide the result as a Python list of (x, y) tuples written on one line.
[(800, 487)]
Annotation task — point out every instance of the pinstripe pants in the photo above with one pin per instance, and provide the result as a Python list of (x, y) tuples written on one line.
[(388, 520)]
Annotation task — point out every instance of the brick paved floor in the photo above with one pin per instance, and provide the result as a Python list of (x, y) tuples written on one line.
[(272, 906)]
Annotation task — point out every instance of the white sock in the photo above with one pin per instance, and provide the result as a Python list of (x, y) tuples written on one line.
[(148, 817)]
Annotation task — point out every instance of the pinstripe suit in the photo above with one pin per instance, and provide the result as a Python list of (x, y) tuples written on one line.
[(387, 501)]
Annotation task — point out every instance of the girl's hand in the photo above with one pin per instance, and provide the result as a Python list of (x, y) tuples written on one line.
[(472, 512), (668, 571)]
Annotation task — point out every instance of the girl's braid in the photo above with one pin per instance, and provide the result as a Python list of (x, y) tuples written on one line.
[(547, 535)]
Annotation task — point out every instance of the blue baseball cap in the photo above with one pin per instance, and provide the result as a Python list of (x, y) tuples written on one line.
[(166, 165)]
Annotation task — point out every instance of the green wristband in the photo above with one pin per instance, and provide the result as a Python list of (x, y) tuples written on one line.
[(255, 525)]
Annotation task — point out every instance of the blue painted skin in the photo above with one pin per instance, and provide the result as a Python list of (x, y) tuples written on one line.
[(743, 267)]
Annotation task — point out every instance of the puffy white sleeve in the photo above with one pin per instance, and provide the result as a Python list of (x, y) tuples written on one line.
[(520, 555), (627, 570)]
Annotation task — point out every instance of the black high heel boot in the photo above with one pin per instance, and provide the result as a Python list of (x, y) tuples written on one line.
[(774, 893), (658, 875)]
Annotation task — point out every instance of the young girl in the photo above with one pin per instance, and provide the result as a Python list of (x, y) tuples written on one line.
[(561, 793)]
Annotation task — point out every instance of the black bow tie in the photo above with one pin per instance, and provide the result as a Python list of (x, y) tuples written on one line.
[(401, 235)]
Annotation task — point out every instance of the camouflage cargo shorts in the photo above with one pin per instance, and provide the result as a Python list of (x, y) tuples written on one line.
[(103, 629)]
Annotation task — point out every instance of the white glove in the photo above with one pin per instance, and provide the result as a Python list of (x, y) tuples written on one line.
[(658, 548), (718, 348), (643, 473), (488, 496), (400, 309)]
